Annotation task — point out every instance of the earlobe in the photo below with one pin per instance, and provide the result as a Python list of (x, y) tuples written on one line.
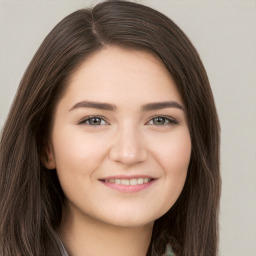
[(48, 158)]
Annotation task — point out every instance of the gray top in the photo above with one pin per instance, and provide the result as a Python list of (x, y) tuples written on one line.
[(61, 246)]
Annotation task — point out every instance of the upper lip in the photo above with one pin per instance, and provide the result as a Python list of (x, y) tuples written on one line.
[(127, 177)]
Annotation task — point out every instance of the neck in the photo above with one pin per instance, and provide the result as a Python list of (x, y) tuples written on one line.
[(83, 235)]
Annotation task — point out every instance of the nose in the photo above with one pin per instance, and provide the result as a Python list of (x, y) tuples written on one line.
[(128, 147)]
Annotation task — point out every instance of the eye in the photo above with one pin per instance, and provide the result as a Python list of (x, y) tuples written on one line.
[(93, 121), (162, 120)]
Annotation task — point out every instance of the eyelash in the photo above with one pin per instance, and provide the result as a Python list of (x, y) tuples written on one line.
[(167, 121), (89, 118)]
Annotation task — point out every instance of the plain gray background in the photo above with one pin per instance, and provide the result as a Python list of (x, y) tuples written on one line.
[(224, 33)]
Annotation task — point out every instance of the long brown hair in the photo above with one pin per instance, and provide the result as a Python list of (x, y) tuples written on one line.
[(31, 198)]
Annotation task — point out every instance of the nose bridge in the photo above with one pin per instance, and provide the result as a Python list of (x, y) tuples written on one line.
[(128, 146)]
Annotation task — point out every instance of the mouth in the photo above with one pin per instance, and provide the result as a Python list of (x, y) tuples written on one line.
[(129, 182), (128, 185)]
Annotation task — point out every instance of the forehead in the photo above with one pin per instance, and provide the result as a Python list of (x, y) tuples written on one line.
[(120, 73)]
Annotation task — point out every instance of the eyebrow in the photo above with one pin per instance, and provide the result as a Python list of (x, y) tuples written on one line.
[(91, 104), (111, 107), (161, 105)]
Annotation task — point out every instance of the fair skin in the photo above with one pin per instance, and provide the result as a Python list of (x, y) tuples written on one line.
[(146, 147)]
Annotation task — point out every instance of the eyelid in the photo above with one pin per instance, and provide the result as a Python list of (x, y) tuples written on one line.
[(86, 118), (172, 120)]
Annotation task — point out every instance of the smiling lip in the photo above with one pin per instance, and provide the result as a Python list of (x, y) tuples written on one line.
[(128, 184)]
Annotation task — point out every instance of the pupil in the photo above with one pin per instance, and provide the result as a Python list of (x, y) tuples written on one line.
[(95, 121), (159, 120)]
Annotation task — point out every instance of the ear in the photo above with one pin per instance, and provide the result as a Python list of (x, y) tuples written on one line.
[(48, 158)]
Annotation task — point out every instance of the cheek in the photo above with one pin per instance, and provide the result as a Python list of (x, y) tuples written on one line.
[(77, 156), (174, 158), (173, 154), (178, 159), (74, 150)]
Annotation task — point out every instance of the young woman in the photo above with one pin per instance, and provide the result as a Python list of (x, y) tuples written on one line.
[(111, 146)]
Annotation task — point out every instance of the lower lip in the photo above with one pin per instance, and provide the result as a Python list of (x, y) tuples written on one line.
[(128, 188)]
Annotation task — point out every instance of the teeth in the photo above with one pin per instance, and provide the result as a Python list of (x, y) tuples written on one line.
[(127, 182), (145, 180), (133, 182), (117, 181)]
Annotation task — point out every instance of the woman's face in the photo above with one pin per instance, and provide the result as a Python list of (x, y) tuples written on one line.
[(120, 142)]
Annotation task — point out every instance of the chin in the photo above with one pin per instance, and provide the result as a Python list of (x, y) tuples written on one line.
[(131, 221), (131, 224)]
